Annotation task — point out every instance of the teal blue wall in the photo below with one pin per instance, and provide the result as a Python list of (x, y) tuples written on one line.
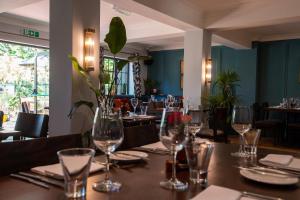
[(269, 72), (241, 61), (166, 70), (278, 70)]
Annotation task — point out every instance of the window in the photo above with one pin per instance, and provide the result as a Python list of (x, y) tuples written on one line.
[(124, 82), (24, 77)]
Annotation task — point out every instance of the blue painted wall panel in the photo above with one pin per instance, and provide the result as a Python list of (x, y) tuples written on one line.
[(244, 63), (166, 70)]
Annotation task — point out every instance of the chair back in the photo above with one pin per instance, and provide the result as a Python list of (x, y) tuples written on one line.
[(1, 118), (218, 121), (22, 155), (25, 107), (32, 125)]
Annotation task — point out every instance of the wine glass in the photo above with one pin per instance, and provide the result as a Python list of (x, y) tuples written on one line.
[(241, 123), (107, 136), (134, 103), (173, 135), (169, 101), (197, 121)]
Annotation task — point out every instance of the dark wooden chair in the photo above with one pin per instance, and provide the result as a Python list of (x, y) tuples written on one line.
[(32, 125), (217, 126), (22, 155), (135, 136), (261, 120)]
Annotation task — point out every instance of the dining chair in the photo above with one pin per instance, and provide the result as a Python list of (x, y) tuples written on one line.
[(262, 120), (1, 118), (22, 155), (215, 126), (25, 107), (32, 125)]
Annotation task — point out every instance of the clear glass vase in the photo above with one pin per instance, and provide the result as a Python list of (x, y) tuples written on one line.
[(107, 135)]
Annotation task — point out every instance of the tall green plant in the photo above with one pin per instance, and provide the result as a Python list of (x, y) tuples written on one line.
[(225, 84)]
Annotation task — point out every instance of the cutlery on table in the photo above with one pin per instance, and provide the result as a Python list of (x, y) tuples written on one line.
[(295, 172), (43, 179), (130, 155), (156, 151), (259, 196), (266, 171), (30, 180)]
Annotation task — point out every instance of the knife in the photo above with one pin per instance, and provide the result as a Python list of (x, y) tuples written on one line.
[(43, 179), (270, 173), (30, 180), (130, 155)]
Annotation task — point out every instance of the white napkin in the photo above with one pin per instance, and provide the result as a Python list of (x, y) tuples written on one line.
[(155, 146), (214, 192), (277, 159), (56, 169)]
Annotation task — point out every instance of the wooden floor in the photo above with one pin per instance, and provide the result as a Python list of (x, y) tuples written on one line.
[(268, 144)]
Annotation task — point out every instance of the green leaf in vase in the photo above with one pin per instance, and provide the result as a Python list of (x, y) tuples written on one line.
[(116, 37)]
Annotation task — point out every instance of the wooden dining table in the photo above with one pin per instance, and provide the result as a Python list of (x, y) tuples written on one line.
[(142, 181)]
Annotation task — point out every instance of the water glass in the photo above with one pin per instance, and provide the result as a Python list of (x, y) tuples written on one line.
[(251, 139), (198, 156), (76, 164)]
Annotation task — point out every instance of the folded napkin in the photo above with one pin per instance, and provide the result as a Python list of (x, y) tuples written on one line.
[(155, 146), (277, 159), (214, 192), (56, 169)]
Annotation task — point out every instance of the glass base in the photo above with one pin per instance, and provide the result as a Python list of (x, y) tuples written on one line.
[(174, 185), (240, 154), (107, 186)]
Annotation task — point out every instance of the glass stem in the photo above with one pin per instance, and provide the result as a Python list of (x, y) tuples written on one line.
[(107, 167), (174, 154), (134, 109), (242, 144)]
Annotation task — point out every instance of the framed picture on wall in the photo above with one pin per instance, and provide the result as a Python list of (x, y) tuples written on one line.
[(181, 73)]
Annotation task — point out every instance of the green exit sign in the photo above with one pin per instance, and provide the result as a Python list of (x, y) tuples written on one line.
[(31, 33)]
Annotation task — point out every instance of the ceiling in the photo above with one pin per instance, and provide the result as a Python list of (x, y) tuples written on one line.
[(156, 24), (139, 28)]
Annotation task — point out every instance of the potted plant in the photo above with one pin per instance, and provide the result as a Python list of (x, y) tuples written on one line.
[(151, 86), (225, 96)]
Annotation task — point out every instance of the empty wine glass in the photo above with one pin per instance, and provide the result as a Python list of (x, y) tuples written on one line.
[(134, 103), (107, 136), (241, 123), (169, 101), (173, 134), (197, 121)]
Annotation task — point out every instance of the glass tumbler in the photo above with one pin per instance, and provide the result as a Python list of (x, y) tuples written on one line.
[(75, 164), (198, 156)]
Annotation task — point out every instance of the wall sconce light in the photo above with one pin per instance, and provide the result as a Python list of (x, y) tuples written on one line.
[(89, 49), (208, 65)]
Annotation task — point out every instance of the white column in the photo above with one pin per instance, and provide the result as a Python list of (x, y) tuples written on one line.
[(197, 47), (68, 19)]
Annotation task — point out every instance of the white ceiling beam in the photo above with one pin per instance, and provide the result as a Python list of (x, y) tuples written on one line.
[(234, 39), (258, 13), (7, 5), (173, 13)]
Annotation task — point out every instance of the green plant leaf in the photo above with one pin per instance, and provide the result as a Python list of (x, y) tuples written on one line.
[(121, 63), (80, 70), (116, 37), (78, 104)]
